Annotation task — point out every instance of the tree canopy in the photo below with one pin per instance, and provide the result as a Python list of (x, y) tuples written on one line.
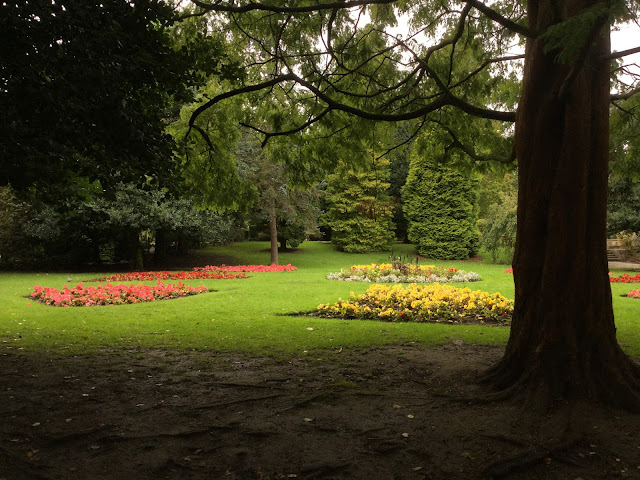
[(327, 67), (84, 87)]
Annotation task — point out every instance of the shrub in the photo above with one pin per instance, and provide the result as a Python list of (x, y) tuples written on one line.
[(439, 204), (359, 209)]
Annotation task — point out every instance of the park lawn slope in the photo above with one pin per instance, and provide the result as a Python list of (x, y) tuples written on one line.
[(252, 315)]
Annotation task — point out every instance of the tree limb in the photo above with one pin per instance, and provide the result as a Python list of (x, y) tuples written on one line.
[(456, 143), (624, 96), (623, 53), (268, 135), (505, 22), (252, 6)]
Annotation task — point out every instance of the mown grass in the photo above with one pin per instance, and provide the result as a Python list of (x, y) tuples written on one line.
[(249, 316)]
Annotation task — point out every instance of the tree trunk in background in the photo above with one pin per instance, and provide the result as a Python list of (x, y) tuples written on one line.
[(273, 236), (563, 344), (135, 251), (161, 248)]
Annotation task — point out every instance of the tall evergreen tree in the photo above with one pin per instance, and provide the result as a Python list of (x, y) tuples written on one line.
[(360, 210), (440, 206)]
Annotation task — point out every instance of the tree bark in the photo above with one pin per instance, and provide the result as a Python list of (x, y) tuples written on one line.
[(273, 237), (562, 344)]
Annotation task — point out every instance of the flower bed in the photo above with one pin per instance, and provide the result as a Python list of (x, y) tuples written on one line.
[(403, 273), (247, 268), (509, 270), (633, 294), (626, 278), (422, 303), (81, 296), (166, 275)]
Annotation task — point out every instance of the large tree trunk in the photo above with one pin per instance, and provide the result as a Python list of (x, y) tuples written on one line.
[(563, 343), (273, 236)]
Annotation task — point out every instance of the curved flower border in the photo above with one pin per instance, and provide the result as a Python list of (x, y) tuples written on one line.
[(422, 303), (81, 296), (404, 273)]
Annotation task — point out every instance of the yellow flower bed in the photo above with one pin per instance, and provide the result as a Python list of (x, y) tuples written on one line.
[(422, 303)]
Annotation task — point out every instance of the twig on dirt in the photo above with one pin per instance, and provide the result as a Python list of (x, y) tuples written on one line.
[(323, 468), (183, 433), (239, 400), (75, 435), (245, 385), (505, 438), (306, 401)]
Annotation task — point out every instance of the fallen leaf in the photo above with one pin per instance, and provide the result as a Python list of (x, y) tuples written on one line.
[(405, 435), (37, 424), (310, 328), (308, 419), (410, 416)]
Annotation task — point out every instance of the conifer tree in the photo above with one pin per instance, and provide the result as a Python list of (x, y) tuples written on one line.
[(360, 209), (439, 204)]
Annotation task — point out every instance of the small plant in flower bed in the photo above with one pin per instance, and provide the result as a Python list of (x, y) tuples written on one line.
[(247, 268), (81, 296), (626, 278), (165, 275), (422, 303), (509, 270), (633, 294), (403, 273)]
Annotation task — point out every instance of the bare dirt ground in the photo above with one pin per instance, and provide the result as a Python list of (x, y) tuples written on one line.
[(381, 414)]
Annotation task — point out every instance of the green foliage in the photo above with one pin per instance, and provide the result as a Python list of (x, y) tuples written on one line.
[(14, 216), (499, 227), (85, 85), (571, 36), (440, 205), (623, 207), (359, 208)]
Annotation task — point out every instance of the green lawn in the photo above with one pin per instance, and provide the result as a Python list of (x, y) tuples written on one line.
[(249, 315)]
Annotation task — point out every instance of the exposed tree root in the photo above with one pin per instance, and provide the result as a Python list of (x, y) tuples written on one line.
[(524, 459)]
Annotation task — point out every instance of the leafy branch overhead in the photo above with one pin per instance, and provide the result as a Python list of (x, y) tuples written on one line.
[(341, 62)]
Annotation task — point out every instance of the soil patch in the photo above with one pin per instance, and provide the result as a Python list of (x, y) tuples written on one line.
[(380, 414)]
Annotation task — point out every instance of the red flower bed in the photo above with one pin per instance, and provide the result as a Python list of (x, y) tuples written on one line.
[(247, 268), (634, 294), (509, 270), (81, 296), (165, 275), (626, 278)]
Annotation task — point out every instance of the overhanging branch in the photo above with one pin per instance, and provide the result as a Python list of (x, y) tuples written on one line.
[(623, 53), (253, 6), (624, 96), (504, 21)]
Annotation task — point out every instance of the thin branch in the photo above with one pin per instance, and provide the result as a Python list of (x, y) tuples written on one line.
[(252, 6), (485, 64), (624, 96), (268, 135), (405, 142), (456, 143), (623, 53), (504, 21), (232, 93)]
